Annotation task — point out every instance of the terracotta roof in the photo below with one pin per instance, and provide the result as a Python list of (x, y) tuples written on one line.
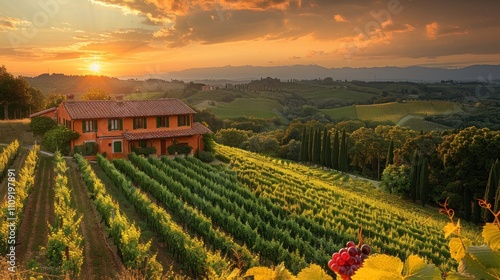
[(43, 112), (197, 128), (103, 109)]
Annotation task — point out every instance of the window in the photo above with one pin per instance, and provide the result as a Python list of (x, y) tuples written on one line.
[(115, 124), (89, 126), (184, 121), (117, 146), (162, 122), (67, 123), (143, 144), (140, 123)]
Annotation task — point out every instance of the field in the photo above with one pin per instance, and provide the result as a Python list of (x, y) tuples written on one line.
[(404, 114), (16, 129)]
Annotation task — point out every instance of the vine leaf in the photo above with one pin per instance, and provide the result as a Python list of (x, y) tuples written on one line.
[(264, 273), (313, 272), (458, 247), (473, 267), (416, 268), (491, 234), (484, 255), (384, 267), (451, 228)]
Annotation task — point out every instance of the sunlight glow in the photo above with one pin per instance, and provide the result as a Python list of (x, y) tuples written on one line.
[(95, 67)]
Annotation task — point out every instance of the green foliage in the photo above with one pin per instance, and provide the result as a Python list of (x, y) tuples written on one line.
[(40, 125), (175, 149), (87, 149), (209, 142), (232, 137), (58, 139), (396, 179), (151, 150), (96, 94), (205, 156), (12, 91)]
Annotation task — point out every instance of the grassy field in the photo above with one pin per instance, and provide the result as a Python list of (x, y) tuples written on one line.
[(16, 129), (256, 107), (395, 112)]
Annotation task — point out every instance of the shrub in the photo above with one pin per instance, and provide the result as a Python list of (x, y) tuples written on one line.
[(86, 149), (205, 156), (40, 125), (144, 151), (179, 149), (58, 138), (223, 158)]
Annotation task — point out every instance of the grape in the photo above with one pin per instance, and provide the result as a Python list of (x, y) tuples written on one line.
[(348, 260), (345, 256), (352, 251), (335, 256), (350, 244), (366, 249)]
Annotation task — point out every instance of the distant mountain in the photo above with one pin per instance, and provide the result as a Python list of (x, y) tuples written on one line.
[(480, 73)]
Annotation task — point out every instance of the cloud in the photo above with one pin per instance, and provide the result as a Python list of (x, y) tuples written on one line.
[(339, 18), (434, 31), (10, 23)]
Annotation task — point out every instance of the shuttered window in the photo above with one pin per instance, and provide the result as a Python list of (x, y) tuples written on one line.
[(162, 122), (89, 126), (115, 124), (140, 123)]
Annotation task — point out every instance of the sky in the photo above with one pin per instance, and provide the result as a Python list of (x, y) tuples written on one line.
[(126, 37)]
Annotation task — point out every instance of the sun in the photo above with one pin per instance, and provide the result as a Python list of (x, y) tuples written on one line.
[(95, 67)]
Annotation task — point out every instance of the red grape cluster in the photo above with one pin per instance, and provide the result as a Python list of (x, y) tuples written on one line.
[(349, 259)]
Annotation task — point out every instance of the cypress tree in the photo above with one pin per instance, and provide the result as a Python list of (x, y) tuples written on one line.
[(323, 147), (343, 161), (328, 150), (317, 147), (311, 145), (424, 182), (491, 192), (304, 145), (390, 154), (414, 177), (335, 151)]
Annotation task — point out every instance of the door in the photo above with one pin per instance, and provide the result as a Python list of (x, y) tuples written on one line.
[(163, 146)]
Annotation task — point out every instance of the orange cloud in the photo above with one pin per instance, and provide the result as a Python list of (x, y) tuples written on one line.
[(339, 18), (434, 31)]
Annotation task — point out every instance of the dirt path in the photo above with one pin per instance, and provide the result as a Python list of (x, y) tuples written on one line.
[(38, 213), (99, 260)]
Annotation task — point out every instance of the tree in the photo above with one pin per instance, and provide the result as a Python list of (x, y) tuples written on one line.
[(59, 138), (366, 150), (214, 123), (414, 175), (343, 160), (232, 137), (324, 143), (316, 147), (304, 144), (396, 179), (96, 94), (12, 91), (390, 154), (467, 157), (40, 125), (335, 151), (328, 150), (492, 188), (424, 182), (53, 100)]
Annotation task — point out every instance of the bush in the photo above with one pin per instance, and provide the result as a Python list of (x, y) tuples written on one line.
[(179, 149), (86, 149), (144, 151), (40, 125), (205, 156), (59, 138), (208, 142)]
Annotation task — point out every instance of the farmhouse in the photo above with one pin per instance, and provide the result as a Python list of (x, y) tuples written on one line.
[(119, 127)]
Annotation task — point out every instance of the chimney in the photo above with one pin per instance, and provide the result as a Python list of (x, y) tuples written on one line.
[(119, 99), (70, 97)]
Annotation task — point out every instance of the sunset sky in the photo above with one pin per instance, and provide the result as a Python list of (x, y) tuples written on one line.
[(127, 37)]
